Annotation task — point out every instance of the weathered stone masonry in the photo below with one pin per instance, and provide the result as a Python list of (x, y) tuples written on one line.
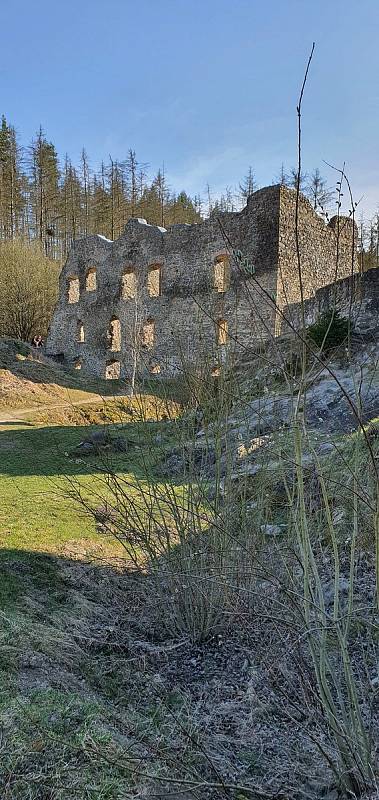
[(355, 297), (156, 298)]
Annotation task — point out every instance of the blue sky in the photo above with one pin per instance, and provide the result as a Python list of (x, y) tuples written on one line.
[(205, 87)]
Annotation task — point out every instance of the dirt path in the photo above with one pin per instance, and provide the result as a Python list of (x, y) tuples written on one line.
[(19, 413)]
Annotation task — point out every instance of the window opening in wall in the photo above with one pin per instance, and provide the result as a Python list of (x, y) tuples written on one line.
[(216, 372), (222, 273), (112, 370), (155, 368), (77, 364), (222, 331), (73, 289), (148, 332), (80, 332), (128, 284), (154, 280), (114, 335), (91, 280)]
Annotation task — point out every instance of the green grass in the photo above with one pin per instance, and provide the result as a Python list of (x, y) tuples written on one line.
[(47, 755), (54, 715), (35, 473), (22, 570), (70, 699), (57, 712), (34, 515), (48, 729)]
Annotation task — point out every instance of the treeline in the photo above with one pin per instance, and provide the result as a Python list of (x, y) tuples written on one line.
[(369, 242), (53, 203)]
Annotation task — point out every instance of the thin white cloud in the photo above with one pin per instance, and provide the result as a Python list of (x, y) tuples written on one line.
[(207, 168)]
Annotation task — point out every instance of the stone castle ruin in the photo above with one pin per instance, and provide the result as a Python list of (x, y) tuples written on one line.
[(155, 298)]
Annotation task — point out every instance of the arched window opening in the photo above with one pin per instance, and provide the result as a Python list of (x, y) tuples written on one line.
[(73, 289), (216, 372), (77, 364), (91, 280), (114, 335), (222, 331), (112, 370), (80, 337), (148, 334), (128, 284), (222, 273), (154, 280)]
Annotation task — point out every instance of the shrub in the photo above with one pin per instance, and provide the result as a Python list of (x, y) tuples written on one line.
[(330, 330), (28, 289)]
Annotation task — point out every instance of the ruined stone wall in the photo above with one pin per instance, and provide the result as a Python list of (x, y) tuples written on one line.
[(186, 319), (356, 297), (157, 299), (328, 252)]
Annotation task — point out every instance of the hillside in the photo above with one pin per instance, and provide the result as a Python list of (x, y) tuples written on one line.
[(29, 379), (189, 595)]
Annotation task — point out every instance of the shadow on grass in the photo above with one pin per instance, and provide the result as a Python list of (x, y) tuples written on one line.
[(23, 572), (16, 423), (55, 450)]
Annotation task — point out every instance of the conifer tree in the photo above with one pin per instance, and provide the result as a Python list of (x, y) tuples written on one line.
[(71, 212), (162, 191), (116, 186), (180, 209), (85, 193), (292, 179), (134, 184), (45, 194), (100, 205), (282, 178), (248, 185), (12, 184), (317, 190)]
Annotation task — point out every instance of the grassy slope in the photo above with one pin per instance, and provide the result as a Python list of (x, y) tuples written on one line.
[(34, 515), (55, 701), (28, 379), (36, 471), (77, 692), (53, 714), (34, 465)]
